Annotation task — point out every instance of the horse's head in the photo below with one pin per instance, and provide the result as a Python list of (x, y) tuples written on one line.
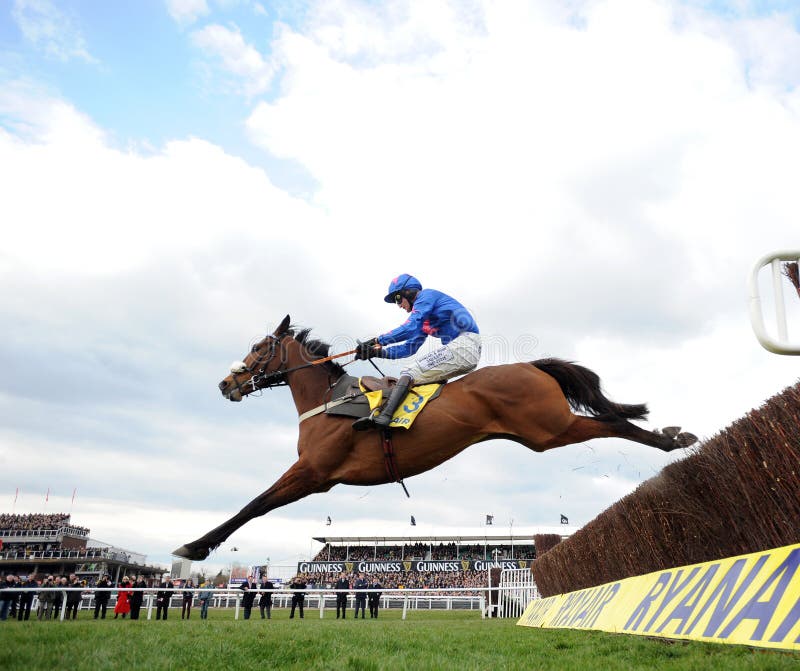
[(261, 368)]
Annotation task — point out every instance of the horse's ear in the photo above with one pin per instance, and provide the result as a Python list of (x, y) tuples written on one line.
[(284, 326)]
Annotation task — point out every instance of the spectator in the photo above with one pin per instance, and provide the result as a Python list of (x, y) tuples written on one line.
[(298, 597), (186, 601), (6, 597), (342, 586), (26, 598), (123, 605), (73, 597), (101, 597), (137, 598), (265, 602), (46, 596), (248, 598), (163, 597), (374, 598), (361, 597), (58, 599), (205, 597)]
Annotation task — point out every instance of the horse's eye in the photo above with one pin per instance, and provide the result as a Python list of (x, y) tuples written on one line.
[(254, 349)]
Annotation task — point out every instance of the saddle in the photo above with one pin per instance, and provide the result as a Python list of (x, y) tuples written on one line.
[(350, 395), (372, 383)]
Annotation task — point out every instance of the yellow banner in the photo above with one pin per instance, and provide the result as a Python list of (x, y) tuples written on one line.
[(751, 600), (411, 406)]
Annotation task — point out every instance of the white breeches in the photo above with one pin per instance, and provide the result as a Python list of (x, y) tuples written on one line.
[(457, 357)]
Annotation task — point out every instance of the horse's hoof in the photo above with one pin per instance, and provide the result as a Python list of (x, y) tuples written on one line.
[(671, 431), (685, 439), (188, 553)]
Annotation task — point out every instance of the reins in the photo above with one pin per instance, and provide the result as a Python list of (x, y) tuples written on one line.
[(259, 377)]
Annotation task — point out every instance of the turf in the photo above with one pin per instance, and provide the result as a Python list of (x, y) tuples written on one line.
[(426, 640)]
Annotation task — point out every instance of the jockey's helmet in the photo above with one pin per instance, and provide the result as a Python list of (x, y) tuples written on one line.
[(401, 283)]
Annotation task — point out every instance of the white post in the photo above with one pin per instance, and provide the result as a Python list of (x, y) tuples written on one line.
[(321, 605), (489, 575), (236, 612), (149, 606), (405, 606), (780, 306)]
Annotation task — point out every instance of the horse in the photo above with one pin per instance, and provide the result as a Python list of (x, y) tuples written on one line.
[(543, 405)]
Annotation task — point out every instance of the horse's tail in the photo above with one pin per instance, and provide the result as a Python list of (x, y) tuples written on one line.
[(581, 386)]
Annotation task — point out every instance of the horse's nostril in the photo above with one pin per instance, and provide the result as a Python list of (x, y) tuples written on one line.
[(222, 385)]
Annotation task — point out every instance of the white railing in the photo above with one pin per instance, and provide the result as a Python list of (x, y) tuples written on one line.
[(14, 535), (89, 554), (450, 598), (517, 590), (781, 344)]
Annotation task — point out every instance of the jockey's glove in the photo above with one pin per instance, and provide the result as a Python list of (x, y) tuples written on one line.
[(366, 350)]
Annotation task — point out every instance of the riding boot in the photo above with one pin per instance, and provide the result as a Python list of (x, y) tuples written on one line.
[(393, 402), (384, 418)]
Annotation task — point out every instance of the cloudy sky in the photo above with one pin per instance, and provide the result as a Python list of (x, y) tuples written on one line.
[(594, 179)]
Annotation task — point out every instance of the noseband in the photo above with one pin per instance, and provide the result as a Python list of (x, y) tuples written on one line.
[(258, 378)]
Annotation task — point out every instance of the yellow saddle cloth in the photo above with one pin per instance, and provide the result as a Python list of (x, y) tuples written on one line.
[(412, 404)]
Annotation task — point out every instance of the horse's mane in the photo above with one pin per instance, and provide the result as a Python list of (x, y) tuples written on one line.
[(317, 349)]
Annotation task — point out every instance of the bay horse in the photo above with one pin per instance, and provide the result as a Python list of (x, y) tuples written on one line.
[(530, 403)]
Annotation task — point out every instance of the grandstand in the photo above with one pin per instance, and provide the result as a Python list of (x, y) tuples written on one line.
[(438, 558), (51, 543)]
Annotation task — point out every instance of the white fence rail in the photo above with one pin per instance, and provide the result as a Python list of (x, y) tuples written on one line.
[(780, 344), (453, 598)]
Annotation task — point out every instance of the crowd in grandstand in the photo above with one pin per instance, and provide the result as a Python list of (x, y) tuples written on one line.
[(428, 580), (37, 522), (428, 551)]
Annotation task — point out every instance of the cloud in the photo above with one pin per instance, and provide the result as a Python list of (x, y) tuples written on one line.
[(103, 218), (48, 28), (238, 61), (536, 137), (187, 11)]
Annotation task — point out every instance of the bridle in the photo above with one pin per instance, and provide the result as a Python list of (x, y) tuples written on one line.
[(276, 378), (259, 379)]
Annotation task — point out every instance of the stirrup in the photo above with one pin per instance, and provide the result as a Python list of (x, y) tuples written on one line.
[(364, 423), (380, 423)]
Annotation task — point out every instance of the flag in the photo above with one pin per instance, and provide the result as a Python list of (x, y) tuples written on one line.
[(16, 494), (489, 519), (47, 496), (74, 491), (564, 519), (413, 521)]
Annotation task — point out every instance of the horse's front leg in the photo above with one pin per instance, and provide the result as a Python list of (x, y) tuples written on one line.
[(298, 482)]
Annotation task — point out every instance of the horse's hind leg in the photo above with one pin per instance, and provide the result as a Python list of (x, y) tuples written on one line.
[(587, 428), (298, 482)]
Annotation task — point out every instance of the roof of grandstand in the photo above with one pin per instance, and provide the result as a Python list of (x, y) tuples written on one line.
[(400, 533)]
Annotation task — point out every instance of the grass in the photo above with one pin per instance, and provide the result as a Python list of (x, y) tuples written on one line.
[(426, 640)]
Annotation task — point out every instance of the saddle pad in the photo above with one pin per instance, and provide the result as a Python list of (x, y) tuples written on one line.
[(416, 399)]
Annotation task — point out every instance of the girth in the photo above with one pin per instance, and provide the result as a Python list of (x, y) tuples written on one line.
[(389, 459)]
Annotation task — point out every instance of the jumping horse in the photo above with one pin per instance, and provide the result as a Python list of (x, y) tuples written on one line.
[(541, 404)]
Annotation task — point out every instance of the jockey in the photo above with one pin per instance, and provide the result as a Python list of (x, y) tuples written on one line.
[(431, 313)]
